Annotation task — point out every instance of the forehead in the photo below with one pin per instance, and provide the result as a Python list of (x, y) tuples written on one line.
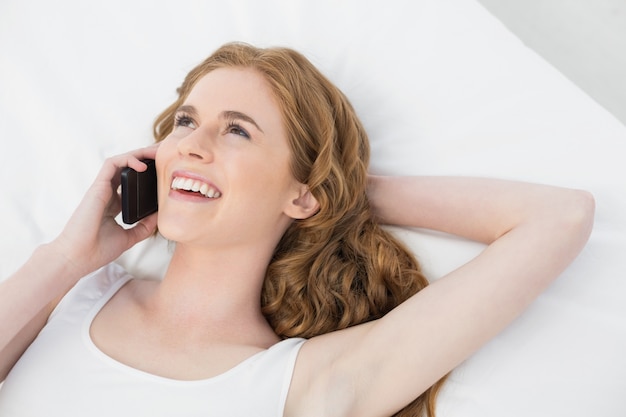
[(241, 90), (232, 86)]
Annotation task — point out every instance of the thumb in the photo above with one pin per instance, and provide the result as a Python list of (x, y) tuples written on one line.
[(142, 230)]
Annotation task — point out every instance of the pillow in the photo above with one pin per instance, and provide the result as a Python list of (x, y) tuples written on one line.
[(443, 88)]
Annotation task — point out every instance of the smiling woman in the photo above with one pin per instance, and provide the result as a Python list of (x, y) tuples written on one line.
[(324, 272), (284, 289), (216, 140)]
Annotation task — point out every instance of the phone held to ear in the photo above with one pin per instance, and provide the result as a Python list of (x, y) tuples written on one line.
[(139, 193)]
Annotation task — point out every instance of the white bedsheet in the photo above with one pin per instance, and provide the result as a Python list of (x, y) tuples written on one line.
[(442, 87)]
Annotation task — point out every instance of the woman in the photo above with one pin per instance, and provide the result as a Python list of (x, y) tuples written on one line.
[(284, 296)]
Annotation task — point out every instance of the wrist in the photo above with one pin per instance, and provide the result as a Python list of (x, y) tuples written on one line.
[(58, 257), (372, 194)]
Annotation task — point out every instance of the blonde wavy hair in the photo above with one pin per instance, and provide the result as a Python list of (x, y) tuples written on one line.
[(337, 268)]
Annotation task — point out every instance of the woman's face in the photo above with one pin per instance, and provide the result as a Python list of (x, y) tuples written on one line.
[(224, 171)]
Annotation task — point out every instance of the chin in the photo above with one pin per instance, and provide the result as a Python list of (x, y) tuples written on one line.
[(175, 230)]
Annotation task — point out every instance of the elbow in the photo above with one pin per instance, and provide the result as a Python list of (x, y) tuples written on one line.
[(586, 206), (580, 212)]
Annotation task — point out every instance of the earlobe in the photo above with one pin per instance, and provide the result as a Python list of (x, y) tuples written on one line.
[(304, 206)]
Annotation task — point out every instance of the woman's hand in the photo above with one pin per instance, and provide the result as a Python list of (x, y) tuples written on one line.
[(92, 237)]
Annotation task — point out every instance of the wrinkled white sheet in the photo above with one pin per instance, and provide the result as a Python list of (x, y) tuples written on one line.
[(443, 88)]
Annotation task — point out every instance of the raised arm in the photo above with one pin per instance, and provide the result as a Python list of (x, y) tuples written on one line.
[(533, 233), (91, 239), (480, 209)]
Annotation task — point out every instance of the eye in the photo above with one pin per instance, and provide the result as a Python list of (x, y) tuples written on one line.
[(183, 120), (235, 129)]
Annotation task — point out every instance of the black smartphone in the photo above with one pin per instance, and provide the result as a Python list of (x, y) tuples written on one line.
[(139, 193)]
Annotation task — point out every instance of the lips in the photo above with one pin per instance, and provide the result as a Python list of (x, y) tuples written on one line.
[(187, 184)]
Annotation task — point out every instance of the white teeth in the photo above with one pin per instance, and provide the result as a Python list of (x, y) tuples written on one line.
[(188, 184), (176, 183)]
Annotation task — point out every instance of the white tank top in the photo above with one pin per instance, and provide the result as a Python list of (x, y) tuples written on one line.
[(63, 373)]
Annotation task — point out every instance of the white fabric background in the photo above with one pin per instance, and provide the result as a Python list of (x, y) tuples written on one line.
[(442, 87)]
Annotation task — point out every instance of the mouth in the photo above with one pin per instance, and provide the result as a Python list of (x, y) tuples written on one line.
[(194, 186)]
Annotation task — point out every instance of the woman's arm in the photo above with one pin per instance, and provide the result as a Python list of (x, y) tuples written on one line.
[(91, 239), (479, 209), (533, 233)]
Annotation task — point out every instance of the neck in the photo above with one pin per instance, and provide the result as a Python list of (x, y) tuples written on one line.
[(217, 289)]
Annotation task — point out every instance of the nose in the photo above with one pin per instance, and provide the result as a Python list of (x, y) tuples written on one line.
[(196, 145)]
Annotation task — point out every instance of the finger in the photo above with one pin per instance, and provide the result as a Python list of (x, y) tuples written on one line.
[(115, 206), (134, 158), (143, 229), (144, 153), (113, 166)]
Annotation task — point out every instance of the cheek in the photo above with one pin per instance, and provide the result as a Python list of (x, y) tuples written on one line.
[(167, 145), (165, 152), (265, 184), (272, 173)]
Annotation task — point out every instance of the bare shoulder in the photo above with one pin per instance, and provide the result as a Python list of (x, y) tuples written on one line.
[(318, 386)]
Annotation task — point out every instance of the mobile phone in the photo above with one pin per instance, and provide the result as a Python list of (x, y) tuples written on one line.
[(139, 193)]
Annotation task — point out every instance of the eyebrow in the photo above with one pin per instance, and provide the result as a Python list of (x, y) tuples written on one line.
[(237, 115), (225, 115), (188, 109)]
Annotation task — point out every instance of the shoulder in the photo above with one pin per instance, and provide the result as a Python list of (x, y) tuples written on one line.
[(319, 383), (94, 286)]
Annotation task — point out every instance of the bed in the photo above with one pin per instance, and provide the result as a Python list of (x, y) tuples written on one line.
[(443, 89)]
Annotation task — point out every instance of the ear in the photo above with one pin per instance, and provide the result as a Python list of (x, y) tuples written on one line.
[(304, 205)]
